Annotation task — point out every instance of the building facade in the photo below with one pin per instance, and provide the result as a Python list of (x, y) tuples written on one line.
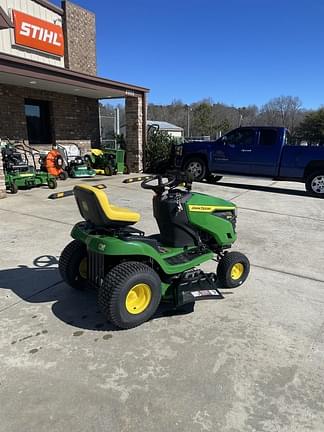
[(49, 88)]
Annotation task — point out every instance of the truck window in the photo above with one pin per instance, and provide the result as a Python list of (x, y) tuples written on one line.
[(268, 137), (243, 137)]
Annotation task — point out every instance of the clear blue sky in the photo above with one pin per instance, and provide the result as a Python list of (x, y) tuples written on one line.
[(239, 52)]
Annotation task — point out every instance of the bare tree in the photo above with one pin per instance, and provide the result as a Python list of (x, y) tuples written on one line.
[(282, 111)]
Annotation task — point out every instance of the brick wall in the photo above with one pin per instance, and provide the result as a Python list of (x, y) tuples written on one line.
[(74, 119), (80, 39), (134, 133)]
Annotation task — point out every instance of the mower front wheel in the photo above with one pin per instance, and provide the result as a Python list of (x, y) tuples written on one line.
[(13, 188), (73, 265), (233, 269), (130, 294)]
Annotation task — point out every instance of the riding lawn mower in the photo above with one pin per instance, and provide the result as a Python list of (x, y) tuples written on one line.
[(107, 161), (18, 171), (133, 272)]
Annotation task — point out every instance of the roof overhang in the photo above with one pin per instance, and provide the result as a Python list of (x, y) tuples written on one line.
[(5, 21), (26, 73)]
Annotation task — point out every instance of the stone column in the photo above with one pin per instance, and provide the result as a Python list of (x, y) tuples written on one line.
[(2, 180), (135, 131)]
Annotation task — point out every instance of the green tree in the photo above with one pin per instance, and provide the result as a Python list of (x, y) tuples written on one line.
[(311, 129), (203, 121), (157, 151)]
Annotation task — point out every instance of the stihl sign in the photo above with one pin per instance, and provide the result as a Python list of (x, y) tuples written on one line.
[(38, 34)]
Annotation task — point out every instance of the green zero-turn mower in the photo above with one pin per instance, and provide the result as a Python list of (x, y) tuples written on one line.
[(132, 272), (19, 174)]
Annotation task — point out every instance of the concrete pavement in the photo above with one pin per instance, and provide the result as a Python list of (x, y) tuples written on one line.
[(250, 362)]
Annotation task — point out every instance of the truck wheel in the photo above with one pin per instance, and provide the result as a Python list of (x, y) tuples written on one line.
[(13, 188), (73, 265), (212, 178), (315, 184), (130, 294), (233, 269), (195, 167)]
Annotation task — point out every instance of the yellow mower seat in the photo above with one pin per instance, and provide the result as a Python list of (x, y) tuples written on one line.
[(95, 207)]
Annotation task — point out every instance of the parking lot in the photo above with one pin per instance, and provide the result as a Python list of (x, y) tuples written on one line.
[(252, 361)]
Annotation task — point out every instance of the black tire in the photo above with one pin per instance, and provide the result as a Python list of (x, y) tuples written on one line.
[(52, 183), (58, 162), (108, 170), (212, 178), (226, 266), (126, 169), (87, 160), (315, 184), (13, 188), (117, 285), (69, 264), (63, 175), (195, 167)]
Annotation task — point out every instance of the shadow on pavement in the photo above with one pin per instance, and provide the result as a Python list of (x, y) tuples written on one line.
[(43, 284), (263, 189)]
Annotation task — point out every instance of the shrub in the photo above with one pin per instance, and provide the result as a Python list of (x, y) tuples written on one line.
[(157, 152)]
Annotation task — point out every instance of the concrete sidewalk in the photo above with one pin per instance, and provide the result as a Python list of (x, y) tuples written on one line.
[(250, 362)]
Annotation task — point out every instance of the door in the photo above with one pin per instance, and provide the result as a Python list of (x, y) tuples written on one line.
[(38, 121), (233, 153), (264, 158)]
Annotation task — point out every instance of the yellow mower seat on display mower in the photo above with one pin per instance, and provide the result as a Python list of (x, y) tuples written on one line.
[(95, 207)]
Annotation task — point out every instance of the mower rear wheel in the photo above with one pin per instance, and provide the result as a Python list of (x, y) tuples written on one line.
[(73, 265), (130, 294), (13, 188), (63, 175), (52, 183), (108, 171), (233, 269), (126, 169)]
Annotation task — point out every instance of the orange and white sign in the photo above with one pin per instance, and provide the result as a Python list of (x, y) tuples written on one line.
[(38, 34)]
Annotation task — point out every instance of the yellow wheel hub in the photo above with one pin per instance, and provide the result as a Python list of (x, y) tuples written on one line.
[(138, 298), (83, 268), (237, 271)]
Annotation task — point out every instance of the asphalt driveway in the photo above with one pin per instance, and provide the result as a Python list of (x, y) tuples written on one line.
[(250, 362)]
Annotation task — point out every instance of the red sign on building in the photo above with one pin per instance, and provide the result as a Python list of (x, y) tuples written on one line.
[(38, 34)]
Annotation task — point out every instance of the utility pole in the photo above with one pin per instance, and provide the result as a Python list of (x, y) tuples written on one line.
[(116, 122), (188, 120)]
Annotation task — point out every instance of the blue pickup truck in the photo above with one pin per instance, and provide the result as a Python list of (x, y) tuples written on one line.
[(254, 151)]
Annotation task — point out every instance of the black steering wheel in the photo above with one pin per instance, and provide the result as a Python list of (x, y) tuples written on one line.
[(160, 187)]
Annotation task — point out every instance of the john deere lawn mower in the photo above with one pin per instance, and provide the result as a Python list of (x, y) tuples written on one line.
[(107, 161), (133, 272), (19, 174), (75, 165)]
